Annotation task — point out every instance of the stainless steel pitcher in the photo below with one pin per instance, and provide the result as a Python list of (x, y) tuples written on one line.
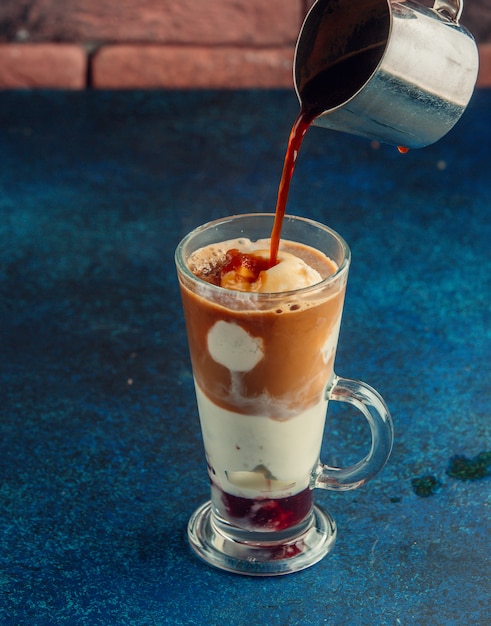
[(397, 72)]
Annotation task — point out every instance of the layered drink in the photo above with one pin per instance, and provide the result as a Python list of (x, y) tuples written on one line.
[(262, 339)]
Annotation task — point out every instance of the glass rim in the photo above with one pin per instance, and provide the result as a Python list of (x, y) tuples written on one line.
[(182, 267)]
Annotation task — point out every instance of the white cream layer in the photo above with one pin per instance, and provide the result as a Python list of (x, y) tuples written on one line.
[(254, 455)]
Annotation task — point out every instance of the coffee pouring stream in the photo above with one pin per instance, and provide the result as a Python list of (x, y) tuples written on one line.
[(397, 72)]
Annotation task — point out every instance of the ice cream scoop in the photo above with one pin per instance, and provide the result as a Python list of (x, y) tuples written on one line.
[(289, 273)]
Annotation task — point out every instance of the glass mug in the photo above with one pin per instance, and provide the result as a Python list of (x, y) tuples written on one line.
[(263, 366)]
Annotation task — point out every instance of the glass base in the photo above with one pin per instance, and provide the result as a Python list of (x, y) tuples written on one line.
[(265, 558)]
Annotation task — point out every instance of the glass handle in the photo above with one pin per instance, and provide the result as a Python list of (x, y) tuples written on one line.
[(373, 407)]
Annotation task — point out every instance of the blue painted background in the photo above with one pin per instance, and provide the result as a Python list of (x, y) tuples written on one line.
[(101, 461)]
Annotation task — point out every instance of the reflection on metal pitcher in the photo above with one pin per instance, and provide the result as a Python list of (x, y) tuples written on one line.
[(396, 72)]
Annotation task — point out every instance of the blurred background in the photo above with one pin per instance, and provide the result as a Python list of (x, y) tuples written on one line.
[(175, 44)]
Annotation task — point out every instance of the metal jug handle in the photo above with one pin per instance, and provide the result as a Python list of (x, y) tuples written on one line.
[(450, 8)]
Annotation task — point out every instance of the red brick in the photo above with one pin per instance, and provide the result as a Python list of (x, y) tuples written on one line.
[(152, 66), (42, 65), (255, 22), (484, 76)]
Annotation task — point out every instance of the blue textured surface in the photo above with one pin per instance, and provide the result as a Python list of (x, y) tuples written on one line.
[(101, 461)]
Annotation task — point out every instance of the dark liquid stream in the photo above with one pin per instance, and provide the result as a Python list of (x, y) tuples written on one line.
[(325, 91), (300, 127)]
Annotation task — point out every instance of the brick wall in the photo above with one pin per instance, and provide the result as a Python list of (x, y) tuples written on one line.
[(166, 43)]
